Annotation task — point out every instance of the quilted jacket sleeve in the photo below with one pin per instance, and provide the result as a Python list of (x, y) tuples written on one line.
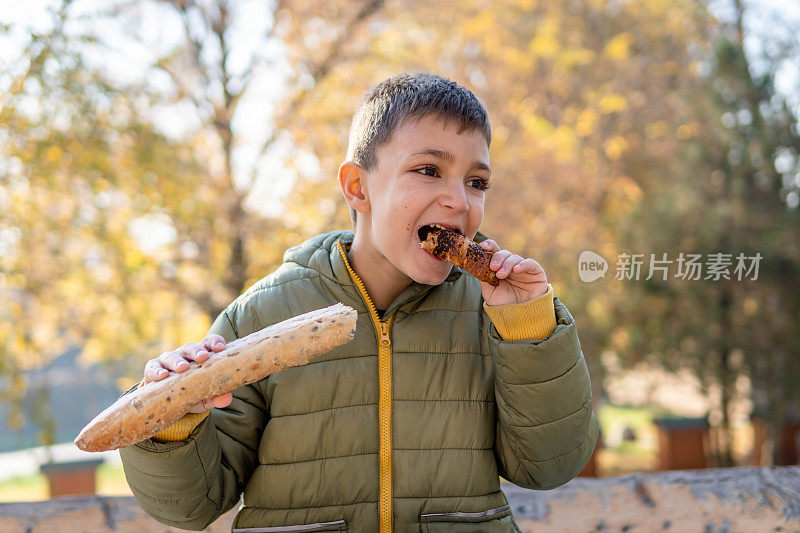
[(188, 484), (546, 431)]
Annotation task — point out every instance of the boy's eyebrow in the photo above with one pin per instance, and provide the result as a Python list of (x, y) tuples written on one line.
[(449, 157)]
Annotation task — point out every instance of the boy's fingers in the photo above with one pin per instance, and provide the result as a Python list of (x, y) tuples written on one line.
[(154, 371), (498, 258), (223, 400), (508, 264), (529, 265), (195, 352), (199, 407), (489, 245), (174, 361), (214, 342)]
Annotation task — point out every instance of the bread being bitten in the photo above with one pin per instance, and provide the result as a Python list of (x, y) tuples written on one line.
[(449, 245)]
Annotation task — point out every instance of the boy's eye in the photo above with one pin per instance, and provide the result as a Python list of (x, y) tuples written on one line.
[(428, 170), (479, 183)]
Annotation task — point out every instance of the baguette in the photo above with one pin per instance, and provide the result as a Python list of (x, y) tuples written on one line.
[(451, 246), (155, 406)]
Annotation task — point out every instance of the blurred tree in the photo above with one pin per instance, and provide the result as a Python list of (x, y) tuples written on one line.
[(72, 193), (760, 181), (735, 193), (126, 224)]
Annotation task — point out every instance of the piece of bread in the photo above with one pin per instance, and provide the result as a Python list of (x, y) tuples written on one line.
[(147, 410), (451, 246)]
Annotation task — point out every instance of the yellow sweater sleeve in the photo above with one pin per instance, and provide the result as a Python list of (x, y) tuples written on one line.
[(181, 428), (534, 319)]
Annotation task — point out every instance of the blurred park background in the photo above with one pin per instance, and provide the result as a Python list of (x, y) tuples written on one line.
[(158, 157)]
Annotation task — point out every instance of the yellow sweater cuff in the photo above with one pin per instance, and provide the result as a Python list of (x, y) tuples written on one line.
[(181, 428), (534, 319)]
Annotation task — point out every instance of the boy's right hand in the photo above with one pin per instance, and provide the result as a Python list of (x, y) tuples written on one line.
[(178, 361)]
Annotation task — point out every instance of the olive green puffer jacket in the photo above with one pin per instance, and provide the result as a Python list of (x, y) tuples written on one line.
[(459, 407)]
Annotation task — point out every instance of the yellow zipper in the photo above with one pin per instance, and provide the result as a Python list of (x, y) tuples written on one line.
[(384, 402)]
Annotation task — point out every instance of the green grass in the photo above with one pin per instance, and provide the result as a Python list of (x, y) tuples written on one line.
[(24, 489), (110, 482), (637, 418), (627, 456)]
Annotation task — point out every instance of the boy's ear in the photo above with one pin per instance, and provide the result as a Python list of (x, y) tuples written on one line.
[(352, 181)]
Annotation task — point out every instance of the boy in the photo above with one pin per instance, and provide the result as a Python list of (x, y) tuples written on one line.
[(449, 383)]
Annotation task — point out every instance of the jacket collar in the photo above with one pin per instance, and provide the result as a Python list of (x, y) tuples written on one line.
[(413, 292)]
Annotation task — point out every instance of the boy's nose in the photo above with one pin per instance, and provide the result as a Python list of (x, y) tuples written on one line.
[(454, 198)]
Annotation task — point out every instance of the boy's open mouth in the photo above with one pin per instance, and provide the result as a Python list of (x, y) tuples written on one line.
[(425, 230)]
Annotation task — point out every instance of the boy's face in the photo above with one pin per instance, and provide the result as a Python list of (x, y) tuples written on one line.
[(426, 173)]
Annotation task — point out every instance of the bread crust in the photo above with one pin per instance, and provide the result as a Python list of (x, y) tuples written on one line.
[(451, 246), (153, 407)]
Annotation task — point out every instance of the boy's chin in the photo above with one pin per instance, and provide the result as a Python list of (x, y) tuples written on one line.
[(433, 277)]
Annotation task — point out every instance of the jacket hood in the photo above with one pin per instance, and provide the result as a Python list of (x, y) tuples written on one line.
[(321, 253)]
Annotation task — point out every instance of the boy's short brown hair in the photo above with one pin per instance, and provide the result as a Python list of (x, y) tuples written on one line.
[(409, 96)]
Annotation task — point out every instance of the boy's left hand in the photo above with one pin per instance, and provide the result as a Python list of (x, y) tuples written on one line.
[(521, 280)]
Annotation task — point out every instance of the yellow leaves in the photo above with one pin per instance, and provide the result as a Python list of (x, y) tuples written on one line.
[(656, 129), (620, 339), (684, 132), (586, 122), (547, 46), (600, 313), (560, 141), (615, 147), (94, 351), (124, 384), (480, 24), (189, 326), (546, 42), (519, 60), (563, 143), (53, 154), (574, 57), (544, 45), (535, 125), (526, 5), (612, 103), (750, 306), (500, 134), (618, 48), (623, 196), (134, 259)]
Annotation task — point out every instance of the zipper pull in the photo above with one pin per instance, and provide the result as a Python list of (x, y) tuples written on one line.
[(385, 334)]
